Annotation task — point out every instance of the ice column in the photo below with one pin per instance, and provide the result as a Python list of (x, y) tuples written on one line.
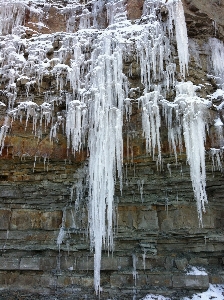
[(217, 58), (116, 11), (193, 110), (95, 112), (176, 15), (105, 144), (151, 123), (11, 15), (76, 124)]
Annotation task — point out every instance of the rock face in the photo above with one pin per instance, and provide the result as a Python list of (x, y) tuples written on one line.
[(157, 234)]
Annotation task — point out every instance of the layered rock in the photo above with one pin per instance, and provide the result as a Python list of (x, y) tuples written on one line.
[(44, 233)]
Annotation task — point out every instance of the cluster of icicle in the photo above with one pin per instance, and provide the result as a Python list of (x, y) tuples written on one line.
[(95, 91)]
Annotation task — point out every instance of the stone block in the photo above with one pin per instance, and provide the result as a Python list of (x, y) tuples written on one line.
[(167, 224), (191, 282), (30, 263), (159, 280), (51, 220), (109, 263), (8, 279), (9, 263), (24, 219), (5, 215), (150, 263), (141, 280), (138, 217), (67, 262), (184, 216), (48, 263), (9, 192), (85, 263), (127, 216), (122, 280), (181, 263), (123, 262), (87, 281), (197, 261), (169, 263), (216, 279), (148, 220), (27, 281)]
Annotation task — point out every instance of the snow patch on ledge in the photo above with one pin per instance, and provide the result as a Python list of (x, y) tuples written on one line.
[(196, 271), (215, 292)]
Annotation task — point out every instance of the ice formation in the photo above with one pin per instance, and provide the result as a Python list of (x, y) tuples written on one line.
[(83, 70), (191, 116), (151, 123), (217, 58)]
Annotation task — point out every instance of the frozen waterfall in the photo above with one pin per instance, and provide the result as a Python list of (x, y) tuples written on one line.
[(85, 70)]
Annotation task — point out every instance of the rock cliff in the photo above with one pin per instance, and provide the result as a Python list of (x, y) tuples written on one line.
[(47, 174)]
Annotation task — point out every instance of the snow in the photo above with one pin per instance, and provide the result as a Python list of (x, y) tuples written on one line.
[(218, 93), (218, 122), (214, 292), (196, 271), (155, 297)]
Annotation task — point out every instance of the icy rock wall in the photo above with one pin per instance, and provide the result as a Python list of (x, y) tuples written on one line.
[(83, 71)]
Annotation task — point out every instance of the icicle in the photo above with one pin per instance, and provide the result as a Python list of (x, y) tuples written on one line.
[(194, 111), (140, 184), (76, 124), (217, 58), (151, 123), (143, 259), (3, 132), (85, 19), (176, 14), (134, 272), (116, 11), (174, 127), (217, 157), (11, 15)]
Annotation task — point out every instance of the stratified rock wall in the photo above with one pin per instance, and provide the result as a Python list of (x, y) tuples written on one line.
[(157, 233)]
